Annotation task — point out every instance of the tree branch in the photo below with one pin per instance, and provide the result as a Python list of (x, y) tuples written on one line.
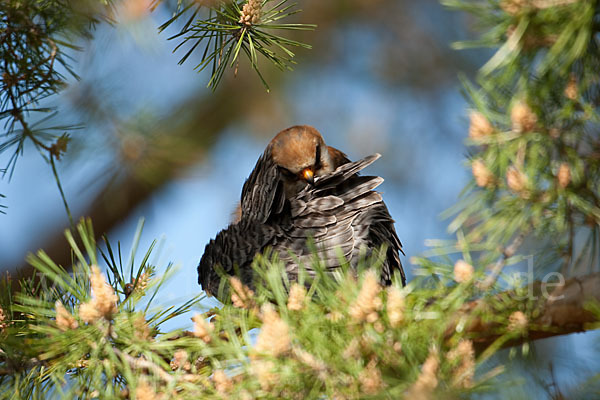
[(561, 311)]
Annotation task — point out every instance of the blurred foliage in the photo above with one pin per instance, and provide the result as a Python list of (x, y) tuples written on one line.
[(36, 38), (231, 26), (332, 336), (534, 134)]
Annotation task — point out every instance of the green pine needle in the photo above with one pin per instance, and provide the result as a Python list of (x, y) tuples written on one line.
[(221, 36)]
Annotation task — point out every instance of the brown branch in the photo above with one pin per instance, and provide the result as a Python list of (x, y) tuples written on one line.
[(561, 311)]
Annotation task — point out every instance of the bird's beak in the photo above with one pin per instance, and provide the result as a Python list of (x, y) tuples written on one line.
[(309, 175)]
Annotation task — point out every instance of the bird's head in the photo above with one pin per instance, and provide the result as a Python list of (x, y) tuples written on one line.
[(293, 159), (301, 155)]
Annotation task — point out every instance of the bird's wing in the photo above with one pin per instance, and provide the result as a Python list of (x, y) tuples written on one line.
[(262, 193), (233, 250), (380, 226), (341, 215), (342, 173)]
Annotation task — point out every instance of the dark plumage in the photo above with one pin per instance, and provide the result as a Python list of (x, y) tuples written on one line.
[(339, 210), (233, 250), (278, 174)]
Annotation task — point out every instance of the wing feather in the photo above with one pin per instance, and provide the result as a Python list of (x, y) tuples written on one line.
[(341, 213)]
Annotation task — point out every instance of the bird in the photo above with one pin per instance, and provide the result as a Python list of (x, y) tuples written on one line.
[(292, 159), (302, 196)]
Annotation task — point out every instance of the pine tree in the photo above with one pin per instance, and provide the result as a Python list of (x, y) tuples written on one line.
[(90, 329)]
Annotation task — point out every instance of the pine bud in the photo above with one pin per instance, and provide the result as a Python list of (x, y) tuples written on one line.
[(250, 13), (141, 329), (296, 297), (483, 176), (145, 391), (104, 294), (517, 181), (464, 354), (274, 337), (514, 7), (311, 361), (427, 381), (143, 281), (104, 300), (3, 319), (479, 126), (517, 321), (89, 313), (522, 117), (463, 271), (241, 295), (564, 175), (64, 319), (202, 328), (368, 302), (395, 306), (223, 384), (334, 316), (571, 91), (180, 361), (352, 350), (264, 370), (370, 379)]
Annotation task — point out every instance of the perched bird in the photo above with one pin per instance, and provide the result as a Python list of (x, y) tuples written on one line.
[(295, 157), (302, 191)]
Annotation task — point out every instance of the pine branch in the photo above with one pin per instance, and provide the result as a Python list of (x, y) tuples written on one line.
[(232, 26), (561, 311), (34, 39), (342, 329)]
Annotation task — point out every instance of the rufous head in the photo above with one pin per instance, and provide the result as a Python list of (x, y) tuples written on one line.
[(300, 152)]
